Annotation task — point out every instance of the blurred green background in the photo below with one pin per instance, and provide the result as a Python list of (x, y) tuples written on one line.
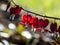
[(45, 7)]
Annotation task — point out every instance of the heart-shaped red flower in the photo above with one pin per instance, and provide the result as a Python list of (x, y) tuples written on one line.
[(32, 20), (35, 22), (43, 23), (15, 10), (46, 22), (29, 18), (12, 10), (24, 18), (53, 26)]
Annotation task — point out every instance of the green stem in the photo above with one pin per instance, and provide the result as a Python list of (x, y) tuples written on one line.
[(13, 2), (28, 42)]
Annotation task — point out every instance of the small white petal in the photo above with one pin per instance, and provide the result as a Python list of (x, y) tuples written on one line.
[(3, 7), (4, 35), (5, 42), (2, 27), (46, 39), (36, 35), (12, 26), (1, 43), (26, 34)]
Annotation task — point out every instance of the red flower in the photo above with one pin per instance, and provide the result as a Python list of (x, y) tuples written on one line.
[(35, 22), (43, 23), (15, 10), (29, 18), (24, 18), (53, 26), (12, 10)]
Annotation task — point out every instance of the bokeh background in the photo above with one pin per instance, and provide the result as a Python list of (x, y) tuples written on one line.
[(17, 33)]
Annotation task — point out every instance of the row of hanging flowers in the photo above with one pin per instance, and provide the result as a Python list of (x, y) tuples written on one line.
[(40, 23), (33, 21)]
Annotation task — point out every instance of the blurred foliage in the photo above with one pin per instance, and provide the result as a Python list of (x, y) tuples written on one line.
[(7, 31), (20, 28)]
